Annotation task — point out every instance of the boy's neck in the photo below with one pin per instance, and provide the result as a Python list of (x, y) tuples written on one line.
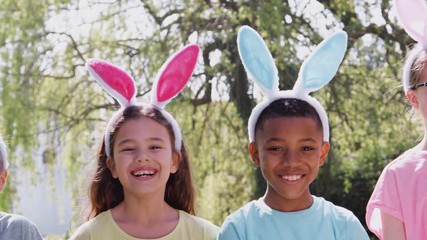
[(288, 205)]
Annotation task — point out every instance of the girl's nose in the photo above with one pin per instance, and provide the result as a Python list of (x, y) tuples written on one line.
[(142, 156)]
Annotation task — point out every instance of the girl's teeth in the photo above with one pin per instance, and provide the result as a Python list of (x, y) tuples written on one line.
[(144, 173)]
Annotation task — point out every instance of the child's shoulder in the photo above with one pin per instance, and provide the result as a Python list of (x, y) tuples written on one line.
[(343, 222), (94, 226), (12, 224), (197, 222), (409, 160), (200, 227), (337, 213), (254, 206), (9, 218)]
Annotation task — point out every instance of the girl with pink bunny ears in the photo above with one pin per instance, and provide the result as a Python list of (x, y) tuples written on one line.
[(397, 208), (142, 187)]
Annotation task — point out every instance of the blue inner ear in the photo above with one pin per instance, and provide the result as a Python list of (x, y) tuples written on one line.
[(324, 62), (256, 57)]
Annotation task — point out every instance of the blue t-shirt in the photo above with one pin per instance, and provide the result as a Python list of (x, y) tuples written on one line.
[(323, 220)]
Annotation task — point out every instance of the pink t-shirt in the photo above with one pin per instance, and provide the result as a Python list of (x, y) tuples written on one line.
[(401, 191)]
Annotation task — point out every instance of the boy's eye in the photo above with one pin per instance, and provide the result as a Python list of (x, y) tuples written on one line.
[(274, 149), (307, 148)]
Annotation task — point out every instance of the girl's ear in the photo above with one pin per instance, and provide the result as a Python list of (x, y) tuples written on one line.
[(176, 160), (112, 166), (253, 150), (412, 98)]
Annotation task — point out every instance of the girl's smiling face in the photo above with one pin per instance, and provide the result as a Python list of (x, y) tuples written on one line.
[(143, 157), (289, 151)]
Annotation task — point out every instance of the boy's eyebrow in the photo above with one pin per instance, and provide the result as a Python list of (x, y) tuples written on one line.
[(307, 139), (274, 139)]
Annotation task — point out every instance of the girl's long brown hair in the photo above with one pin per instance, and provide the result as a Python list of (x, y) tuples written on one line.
[(106, 192)]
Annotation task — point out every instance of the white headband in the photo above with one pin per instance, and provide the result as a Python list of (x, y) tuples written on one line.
[(171, 79), (413, 16), (316, 71)]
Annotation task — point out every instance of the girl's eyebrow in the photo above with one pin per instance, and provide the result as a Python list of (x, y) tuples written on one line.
[(127, 140), (156, 139)]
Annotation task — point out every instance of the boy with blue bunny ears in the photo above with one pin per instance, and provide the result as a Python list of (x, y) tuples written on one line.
[(289, 141)]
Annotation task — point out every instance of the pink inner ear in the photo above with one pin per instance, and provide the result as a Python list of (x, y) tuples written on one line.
[(177, 73), (115, 78), (413, 15)]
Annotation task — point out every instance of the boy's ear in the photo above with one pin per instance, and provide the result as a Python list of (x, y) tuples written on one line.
[(253, 150), (3, 177), (112, 166), (176, 159), (412, 98), (324, 152)]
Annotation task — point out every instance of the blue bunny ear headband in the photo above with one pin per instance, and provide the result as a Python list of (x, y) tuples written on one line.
[(316, 71), (413, 16), (3, 154)]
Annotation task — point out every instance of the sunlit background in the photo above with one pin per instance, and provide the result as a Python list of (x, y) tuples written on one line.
[(52, 114)]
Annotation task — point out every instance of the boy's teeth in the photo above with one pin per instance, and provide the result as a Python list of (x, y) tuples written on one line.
[(291, 177)]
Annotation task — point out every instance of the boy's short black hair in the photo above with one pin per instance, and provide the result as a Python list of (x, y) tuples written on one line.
[(288, 107)]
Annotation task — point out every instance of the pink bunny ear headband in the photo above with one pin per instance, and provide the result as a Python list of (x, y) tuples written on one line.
[(413, 16), (316, 71), (171, 79), (3, 154)]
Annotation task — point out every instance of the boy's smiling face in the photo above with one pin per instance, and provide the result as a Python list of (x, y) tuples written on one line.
[(289, 151)]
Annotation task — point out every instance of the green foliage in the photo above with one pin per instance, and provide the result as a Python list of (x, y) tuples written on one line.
[(217, 144)]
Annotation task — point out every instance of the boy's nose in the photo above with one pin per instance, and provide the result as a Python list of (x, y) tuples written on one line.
[(290, 158)]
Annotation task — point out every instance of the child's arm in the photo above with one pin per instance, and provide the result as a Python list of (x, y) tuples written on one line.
[(393, 228)]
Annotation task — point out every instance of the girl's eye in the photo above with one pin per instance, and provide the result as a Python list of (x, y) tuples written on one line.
[(127, 149), (155, 147)]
